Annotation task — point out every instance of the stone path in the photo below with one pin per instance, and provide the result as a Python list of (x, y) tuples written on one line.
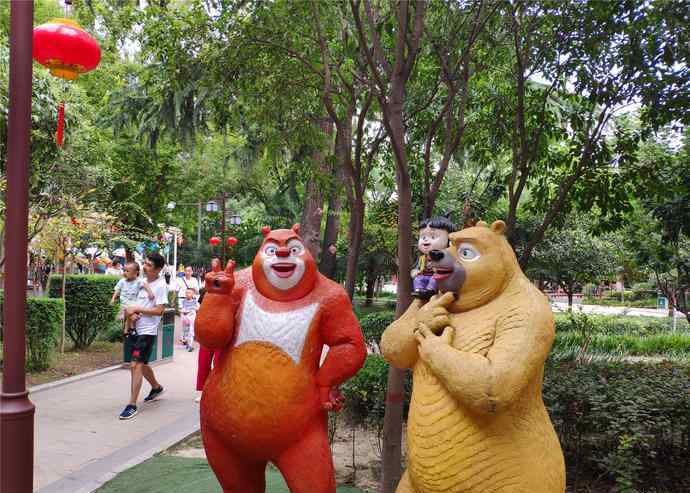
[(80, 442)]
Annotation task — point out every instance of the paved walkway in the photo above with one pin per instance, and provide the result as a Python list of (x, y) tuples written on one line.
[(81, 443)]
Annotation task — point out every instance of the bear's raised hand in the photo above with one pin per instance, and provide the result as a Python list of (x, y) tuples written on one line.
[(215, 321), (434, 314), (218, 281)]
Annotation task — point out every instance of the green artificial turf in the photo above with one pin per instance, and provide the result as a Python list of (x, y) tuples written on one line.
[(166, 474)]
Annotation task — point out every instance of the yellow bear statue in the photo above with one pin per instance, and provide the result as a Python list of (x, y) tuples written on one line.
[(477, 421)]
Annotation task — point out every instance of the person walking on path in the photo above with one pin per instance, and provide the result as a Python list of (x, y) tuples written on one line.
[(185, 283), (114, 269), (182, 284), (147, 314), (188, 311)]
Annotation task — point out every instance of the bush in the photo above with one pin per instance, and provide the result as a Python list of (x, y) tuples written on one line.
[(113, 332), (615, 324), (629, 302), (88, 309), (373, 325), (629, 422), (43, 326), (365, 393)]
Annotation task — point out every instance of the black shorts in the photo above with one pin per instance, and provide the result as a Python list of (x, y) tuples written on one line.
[(141, 347)]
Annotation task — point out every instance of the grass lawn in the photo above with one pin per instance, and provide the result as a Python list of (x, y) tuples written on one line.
[(100, 354), (165, 474)]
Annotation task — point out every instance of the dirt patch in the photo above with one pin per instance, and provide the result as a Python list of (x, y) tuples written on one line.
[(100, 354), (364, 473)]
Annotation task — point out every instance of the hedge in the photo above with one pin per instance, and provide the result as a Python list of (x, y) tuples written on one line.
[(628, 424), (373, 325), (88, 308), (365, 393), (43, 326), (565, 322)]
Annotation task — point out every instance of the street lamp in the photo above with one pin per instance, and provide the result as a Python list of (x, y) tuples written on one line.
[(16, 410), (172, 205), (212, 206)]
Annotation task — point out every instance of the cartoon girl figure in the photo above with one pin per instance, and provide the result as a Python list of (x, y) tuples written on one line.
[(433, 235)]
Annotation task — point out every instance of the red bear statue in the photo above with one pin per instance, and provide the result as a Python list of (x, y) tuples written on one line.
[(267, 399)]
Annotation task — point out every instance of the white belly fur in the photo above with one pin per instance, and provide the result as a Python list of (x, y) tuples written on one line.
[(286, 330)]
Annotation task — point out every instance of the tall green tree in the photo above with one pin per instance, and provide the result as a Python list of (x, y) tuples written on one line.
[(573, 67), (659, 227), (572, 256)]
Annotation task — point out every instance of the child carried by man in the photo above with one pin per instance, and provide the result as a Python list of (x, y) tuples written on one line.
[(128, 288)]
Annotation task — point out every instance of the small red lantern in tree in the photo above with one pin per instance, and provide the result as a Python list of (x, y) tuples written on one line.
[(65, 48), (214, 241), (232, 241)]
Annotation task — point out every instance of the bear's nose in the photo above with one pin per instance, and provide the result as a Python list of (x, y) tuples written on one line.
[(436, 255)]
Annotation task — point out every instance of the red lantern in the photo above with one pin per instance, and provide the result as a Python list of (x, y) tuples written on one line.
[(232, 241), (214, 240), (65, 48)]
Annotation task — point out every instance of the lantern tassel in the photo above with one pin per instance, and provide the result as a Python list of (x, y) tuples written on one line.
[(60, 123)]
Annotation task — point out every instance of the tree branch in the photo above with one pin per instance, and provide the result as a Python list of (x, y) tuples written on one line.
[(376, 39)]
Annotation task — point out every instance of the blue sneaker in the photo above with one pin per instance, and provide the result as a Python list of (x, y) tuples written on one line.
[(129, 412), (154, 393)]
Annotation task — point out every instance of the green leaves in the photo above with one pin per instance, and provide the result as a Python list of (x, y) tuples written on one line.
[(571, 255), (43, 323), (88, 306), (623, 422)]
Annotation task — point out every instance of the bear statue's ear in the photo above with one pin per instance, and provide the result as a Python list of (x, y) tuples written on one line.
[(455, 238), (295, 228), (498, 227), (482, 224), (265, 231)]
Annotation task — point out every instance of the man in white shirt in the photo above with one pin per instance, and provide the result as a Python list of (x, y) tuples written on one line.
[(147, 313), (185, 283)]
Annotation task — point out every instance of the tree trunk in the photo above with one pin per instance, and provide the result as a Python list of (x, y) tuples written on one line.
[(310, 230), (355, 234), (392, 421), (328, 265), (570, 300), (64, 303), (371, 282)]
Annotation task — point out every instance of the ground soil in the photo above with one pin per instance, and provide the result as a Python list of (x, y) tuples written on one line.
[(365, 474), (367, 453), (100, 354)]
